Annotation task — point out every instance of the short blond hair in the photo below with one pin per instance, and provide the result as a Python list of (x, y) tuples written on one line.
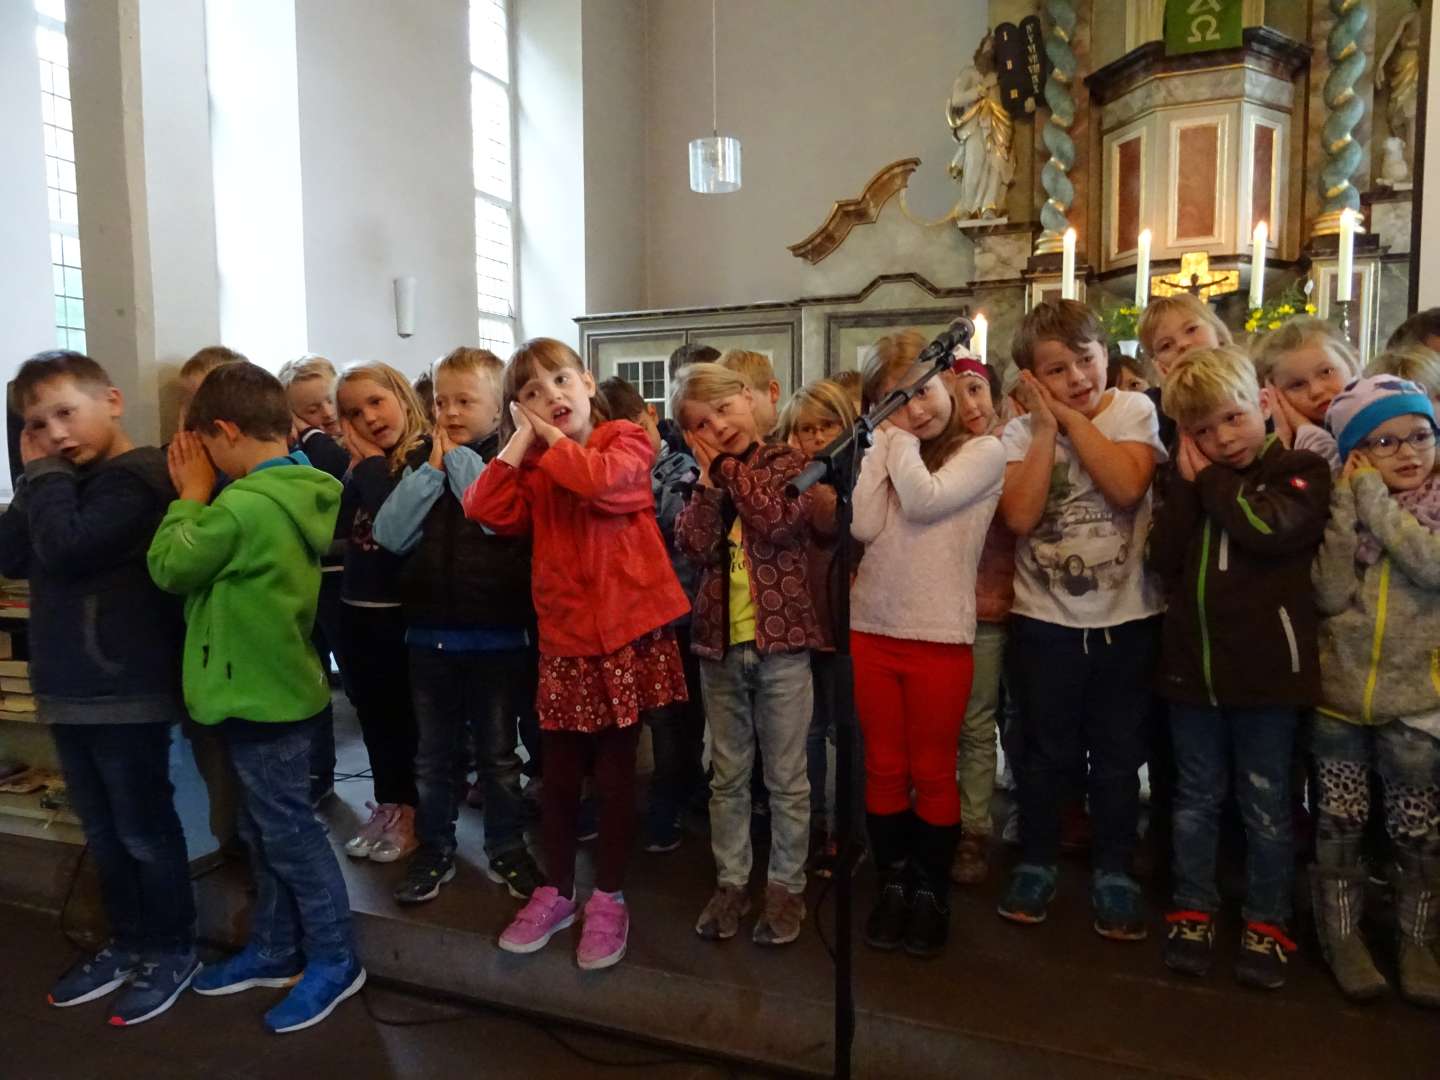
[(1203, 380), (1270, 349), (309, 366), (823, 399), (1413, 362), (208, 359), (468, 360), (1179, 304), (704, 382), (754, 367)]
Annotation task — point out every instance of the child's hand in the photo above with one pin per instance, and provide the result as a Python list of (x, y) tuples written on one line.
[(704, 455), (34, 445), (440, 445), (519, 444), (190, 468), (359, 445), (543, 428), (1038, 404), (1358, 461), (296, 427), (1190, 459), (1288, 419)]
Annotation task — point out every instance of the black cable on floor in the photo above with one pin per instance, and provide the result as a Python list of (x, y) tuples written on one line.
[(554, 1036)]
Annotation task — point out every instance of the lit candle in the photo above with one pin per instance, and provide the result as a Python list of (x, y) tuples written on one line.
[(982, 339), (1142, 270), (1257, 266), (1345, 270), (1067, 267)]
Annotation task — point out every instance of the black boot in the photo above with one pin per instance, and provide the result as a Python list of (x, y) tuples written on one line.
[(890, 840), (929, 926)]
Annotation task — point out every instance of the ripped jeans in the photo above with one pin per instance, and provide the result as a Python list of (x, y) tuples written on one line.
[(1408, 764), (1252, 747)]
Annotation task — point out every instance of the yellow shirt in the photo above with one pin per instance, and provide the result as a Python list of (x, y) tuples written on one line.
[(742, 605)]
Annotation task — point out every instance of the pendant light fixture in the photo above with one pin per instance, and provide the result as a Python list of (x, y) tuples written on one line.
[(714, 161)]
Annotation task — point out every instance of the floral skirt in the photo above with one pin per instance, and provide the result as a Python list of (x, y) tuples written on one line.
[(592, 693)]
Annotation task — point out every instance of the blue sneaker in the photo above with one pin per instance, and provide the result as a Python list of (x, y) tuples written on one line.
[(1028, 895), (94, 977), (1119, 910), (321, 988), (153, 989), (245, 971)]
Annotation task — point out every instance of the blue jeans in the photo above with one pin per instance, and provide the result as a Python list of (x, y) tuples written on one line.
[(751, 698), (1082, 695), (301, 905), (1253, 746), (118, 777), (1408, 764), (455, 692)]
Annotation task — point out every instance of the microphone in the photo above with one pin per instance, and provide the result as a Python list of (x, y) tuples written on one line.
[(958, 335)]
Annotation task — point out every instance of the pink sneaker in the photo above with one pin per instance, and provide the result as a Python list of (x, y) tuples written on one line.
[(607, 928), (542, 918)]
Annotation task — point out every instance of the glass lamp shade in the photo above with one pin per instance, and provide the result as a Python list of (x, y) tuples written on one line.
[(715, 165)]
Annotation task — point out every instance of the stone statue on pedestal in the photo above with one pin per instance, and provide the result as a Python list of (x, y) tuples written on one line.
[(1399, 69), (984, 162)]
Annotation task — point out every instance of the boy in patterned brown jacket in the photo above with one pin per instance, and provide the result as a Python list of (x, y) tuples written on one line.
[(753, 628)]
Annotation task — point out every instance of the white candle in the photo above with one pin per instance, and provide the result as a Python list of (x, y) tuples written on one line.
[(979, 346), (1142, 270), (1345, 270), (1257, 266), (1067, 267)]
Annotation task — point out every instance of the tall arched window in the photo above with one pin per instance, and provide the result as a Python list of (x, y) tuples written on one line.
[(492, 120), (54, 52)]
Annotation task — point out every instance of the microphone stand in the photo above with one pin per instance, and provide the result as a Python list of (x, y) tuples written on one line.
[(839, 466)]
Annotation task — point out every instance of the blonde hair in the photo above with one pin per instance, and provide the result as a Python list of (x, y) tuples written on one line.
[(208, 359), (387, 378), (823, 399), (754, 367), (1203, 380), (1179, 304), (309, 366), (1295, 334), (889, 361), (704, 382), (467, 360), (853, 384), (1414, 362)]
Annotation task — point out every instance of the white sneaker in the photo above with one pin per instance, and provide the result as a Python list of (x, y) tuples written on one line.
[(397, 840), (363, 843)]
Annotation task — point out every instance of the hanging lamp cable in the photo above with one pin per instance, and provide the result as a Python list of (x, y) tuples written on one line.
[(714, 76)]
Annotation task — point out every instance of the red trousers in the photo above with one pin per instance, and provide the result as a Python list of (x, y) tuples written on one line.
[(910, 697)]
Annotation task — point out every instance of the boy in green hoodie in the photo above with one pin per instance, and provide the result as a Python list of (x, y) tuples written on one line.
[(248, 566)]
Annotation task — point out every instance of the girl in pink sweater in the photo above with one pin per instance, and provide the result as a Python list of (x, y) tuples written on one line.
[(924, 501)]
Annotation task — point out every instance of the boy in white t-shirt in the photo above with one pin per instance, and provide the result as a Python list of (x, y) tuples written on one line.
[(1084, 628)]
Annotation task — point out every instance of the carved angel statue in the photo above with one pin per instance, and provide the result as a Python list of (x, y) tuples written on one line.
[(1399, 69), (984, 163)]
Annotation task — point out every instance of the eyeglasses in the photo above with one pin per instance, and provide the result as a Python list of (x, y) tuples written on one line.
[(1389, 445)]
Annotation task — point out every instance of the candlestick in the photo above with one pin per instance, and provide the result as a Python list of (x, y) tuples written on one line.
[(1345, 268), (1142, 270), (1067, 266), (1257, 266), (981, 342)]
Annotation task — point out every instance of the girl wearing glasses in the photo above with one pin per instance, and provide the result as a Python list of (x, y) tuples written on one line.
[(1377, 582)]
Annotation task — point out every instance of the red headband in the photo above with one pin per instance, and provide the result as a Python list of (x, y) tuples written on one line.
[(969, 365)]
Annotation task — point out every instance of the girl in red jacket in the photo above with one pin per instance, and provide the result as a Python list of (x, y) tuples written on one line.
[(604, 593)]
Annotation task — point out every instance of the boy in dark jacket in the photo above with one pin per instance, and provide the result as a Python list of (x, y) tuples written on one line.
[(1233, 542), (105, 666), (677, 732), (470, 629), (248, 565)]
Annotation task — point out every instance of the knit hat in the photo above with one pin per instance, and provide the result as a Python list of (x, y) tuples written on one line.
[(1367, 403), (965, 362)]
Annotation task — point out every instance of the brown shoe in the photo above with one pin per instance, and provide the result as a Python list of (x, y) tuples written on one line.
[(972, 860), (721, 917), (779, 923)]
